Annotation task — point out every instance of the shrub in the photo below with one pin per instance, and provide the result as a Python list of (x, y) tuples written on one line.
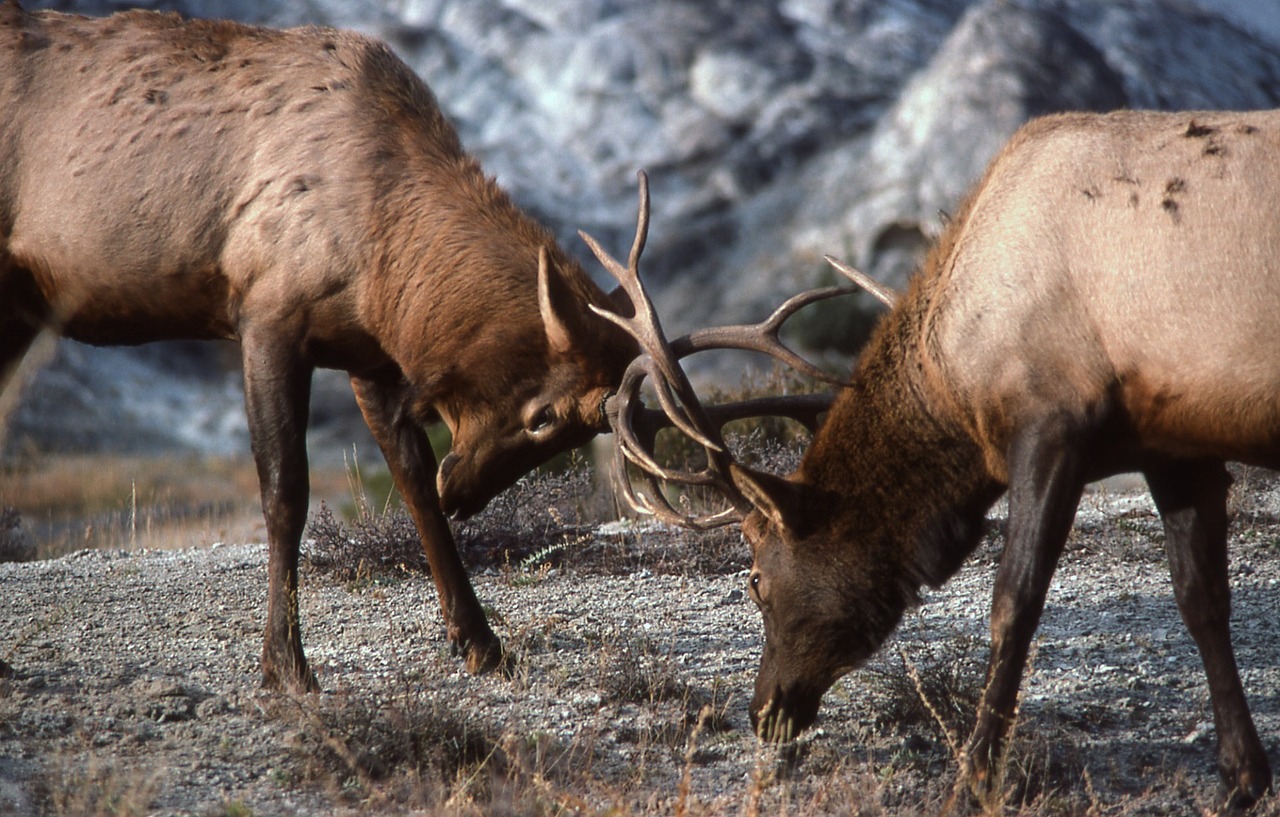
[(16, 545)]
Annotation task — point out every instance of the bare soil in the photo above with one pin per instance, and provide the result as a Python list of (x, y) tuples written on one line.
[(131, 686)]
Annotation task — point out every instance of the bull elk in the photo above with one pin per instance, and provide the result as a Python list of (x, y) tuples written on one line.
[(298, 191), (1103, 302)]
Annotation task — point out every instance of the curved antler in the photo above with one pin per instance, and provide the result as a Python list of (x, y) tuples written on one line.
[(636, 427)]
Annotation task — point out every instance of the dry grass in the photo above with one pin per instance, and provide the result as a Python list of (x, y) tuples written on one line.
[(69, 503), (406, 752), (102, 788)]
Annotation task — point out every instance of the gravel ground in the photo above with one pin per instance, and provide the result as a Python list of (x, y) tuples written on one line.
[(133, 679)]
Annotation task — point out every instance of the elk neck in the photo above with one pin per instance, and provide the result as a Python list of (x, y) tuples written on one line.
[(907, 482), (457, 282), (456, 260)]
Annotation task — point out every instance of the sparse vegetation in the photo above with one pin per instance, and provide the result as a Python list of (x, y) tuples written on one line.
[(102, 788), (16, 545), (936, 692), (367, 548), (396, 747), (421, 741)]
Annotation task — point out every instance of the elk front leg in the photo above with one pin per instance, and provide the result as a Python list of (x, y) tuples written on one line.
[(277, 390), (23, 312), (408, 454), (1192, 500), (1045, 483)]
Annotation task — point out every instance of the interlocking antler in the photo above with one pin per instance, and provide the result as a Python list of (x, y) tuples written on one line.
[(636, 426)]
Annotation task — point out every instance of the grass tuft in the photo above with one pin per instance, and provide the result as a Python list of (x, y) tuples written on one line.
[(97, 788)]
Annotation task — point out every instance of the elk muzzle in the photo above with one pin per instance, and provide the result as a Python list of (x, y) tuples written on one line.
[(782, 715), (465, 489), (782, 707)]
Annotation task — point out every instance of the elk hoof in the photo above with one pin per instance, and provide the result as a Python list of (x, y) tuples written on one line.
[(1242, 791), (483, 656), (290, 683), (982, 784), (296, 676)]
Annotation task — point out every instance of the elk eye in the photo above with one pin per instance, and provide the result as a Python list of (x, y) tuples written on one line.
[(541, 422), (754, 587)]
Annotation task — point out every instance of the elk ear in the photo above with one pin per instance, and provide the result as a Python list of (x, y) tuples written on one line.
[(550, 292), (779, 499)]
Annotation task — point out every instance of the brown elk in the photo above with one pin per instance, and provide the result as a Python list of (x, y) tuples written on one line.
[(298, 191), (1100, 304)]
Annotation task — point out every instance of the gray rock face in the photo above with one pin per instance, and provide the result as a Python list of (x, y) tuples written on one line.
[(773, 132)]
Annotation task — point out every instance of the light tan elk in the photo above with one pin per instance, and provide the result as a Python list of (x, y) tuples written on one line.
[(1105, 301), (298, 191)]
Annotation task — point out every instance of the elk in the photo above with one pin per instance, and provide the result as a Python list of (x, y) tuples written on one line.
[(1101, 303), (298, 191)]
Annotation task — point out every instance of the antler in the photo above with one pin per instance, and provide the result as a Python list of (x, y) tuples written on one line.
[(637, 427), (887, 295)]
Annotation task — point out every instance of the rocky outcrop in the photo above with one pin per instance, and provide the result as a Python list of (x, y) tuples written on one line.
[(773, 132)]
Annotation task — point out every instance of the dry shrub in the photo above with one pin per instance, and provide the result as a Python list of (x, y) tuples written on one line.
[(531, 523), (935, 690), (401, 748), (97, 788), (16, 545), (536, 521), (636, 670), (371, 546)]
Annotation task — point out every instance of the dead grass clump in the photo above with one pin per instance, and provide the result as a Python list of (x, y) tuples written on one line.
[(96, 789), (534, 522), (636, 670), (937, 691), (403, 748), (375, 545), (400, 749)]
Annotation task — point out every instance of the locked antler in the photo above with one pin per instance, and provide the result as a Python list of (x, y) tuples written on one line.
[(636, 427)]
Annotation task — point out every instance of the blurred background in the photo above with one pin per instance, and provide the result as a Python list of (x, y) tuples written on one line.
[(773, 132)]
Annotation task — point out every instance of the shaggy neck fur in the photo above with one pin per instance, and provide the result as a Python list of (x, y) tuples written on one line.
[(907, 488)]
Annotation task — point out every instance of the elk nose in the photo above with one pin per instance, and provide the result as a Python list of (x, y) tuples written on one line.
[(446, 468)]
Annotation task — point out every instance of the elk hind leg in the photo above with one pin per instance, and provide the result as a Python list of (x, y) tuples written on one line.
[(412, 463), (1192, 500)]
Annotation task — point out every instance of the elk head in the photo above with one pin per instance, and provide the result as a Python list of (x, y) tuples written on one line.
[(810, 639), (516, 400)]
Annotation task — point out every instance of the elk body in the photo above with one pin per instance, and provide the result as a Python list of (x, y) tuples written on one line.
[(1103, 302), (300, 192)]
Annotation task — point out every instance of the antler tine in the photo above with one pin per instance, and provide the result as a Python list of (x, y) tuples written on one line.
[(885, 294), (655, 503), (642, 224), (763, 337), (674, 390), (630, 414)]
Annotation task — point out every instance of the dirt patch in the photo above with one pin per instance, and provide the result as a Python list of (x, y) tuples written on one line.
[(131, 687)]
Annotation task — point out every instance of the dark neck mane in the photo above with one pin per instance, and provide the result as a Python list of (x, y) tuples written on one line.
[(904, 479)]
